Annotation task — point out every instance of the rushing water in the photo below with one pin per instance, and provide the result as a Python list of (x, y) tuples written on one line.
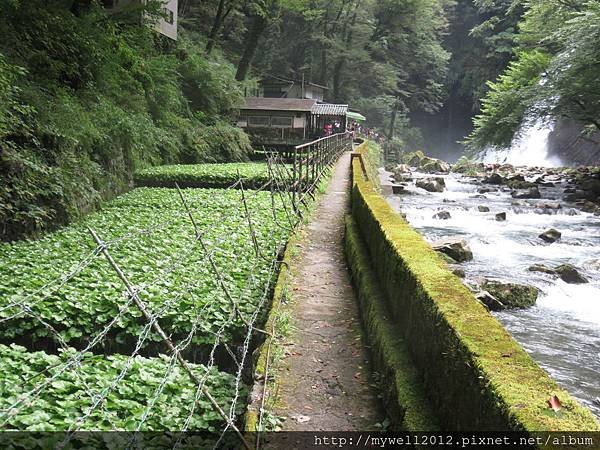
[(529, 148), (562, 332)]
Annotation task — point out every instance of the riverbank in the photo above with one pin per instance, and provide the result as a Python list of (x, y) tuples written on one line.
[(481, 206)]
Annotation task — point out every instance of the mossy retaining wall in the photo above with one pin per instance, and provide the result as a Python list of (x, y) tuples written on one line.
[(474, 374), (403, 395)]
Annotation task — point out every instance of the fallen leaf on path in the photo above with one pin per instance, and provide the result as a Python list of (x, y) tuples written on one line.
[(300, 418)]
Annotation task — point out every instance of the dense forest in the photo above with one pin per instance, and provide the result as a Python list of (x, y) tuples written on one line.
[(89, 95)]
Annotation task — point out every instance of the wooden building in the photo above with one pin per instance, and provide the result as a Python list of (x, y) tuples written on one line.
[(284, 122)]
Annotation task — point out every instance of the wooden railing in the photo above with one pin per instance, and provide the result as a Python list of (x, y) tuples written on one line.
[(310, 160)]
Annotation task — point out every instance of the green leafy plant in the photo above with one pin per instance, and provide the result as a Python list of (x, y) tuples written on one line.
[(152, 238), (253, 175), (66, 397)]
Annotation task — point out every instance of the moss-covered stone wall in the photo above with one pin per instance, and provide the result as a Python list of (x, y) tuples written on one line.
[(474, 374)]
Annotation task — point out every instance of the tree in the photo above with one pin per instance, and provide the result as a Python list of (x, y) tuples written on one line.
[(554, 76), (259, 11), (224, 9), (408, 36)]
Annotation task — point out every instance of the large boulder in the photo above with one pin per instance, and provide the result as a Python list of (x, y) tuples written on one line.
[(494, 178), (591, 185), (455, 248), (511, 295), (569, 274), (433, 165), (401, 172), (413, 158), (520, 184), (579, 195), (432, 184), (465, 166), (550, 235), (533, 192)]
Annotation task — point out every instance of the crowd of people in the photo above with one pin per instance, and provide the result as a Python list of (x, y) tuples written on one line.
[(355, 128)]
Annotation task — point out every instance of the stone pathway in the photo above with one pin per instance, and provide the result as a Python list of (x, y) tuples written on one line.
[(326, 382)]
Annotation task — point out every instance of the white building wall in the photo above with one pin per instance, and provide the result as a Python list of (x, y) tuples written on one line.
[(168, 27)]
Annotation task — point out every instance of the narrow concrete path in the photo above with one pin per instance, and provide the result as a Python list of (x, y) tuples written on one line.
[(326, 382)]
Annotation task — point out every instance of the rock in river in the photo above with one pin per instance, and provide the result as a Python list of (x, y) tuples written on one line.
[(457, 249), (569, 274), (541, 268), (501, 217), (550, 235), (432, 184), (494, 178), (443, 215), (397, 189), (511, 295), (526, 193), (489, 301), (432, 165), (482, 208)]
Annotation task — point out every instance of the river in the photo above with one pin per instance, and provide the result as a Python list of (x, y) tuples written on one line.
[(562, 332)]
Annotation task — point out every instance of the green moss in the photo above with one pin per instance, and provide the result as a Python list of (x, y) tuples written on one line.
[(475, 374), (413, 158), (512, 295), (404, 399)]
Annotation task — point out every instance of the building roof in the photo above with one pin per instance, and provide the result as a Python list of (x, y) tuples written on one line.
[(279, 104), (356, 116), (329, 109), (294, 104), (273, 79)]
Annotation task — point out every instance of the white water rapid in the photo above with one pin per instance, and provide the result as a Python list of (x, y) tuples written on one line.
[(529, 148), (562, 331)]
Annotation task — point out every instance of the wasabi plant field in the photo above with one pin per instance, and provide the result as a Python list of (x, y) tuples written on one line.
[(80, 342)]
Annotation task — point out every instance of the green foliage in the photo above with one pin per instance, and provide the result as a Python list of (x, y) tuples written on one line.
[(67, 396), (554, 76), (508, 101), (481, 38), (90, 97), (152, 238), (408, 36), (253, 175)]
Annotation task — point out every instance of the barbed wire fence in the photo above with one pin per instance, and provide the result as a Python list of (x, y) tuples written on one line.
[(289, 189)]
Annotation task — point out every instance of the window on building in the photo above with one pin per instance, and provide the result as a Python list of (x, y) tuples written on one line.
[(258, 121), (282, 122), (170, 16)]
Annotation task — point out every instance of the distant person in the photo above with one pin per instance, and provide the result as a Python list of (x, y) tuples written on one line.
[(328, 129)]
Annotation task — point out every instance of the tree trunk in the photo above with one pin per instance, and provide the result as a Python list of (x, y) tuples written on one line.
[(216, 26), (259, 25), (393, 120), (341, 62), (337, 78)]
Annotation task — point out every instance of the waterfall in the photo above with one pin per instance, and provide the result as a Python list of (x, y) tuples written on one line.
[(528, 148)]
